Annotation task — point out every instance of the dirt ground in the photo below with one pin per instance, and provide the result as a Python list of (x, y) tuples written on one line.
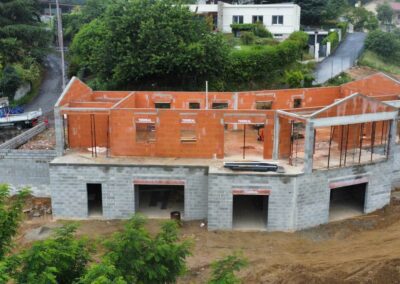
[(364, 249), (43, 141)]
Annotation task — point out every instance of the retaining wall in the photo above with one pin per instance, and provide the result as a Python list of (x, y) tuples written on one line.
[(21, 168)]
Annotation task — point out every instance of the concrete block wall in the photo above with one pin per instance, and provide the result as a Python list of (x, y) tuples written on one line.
[(25, 168), (280, 203), (69, 196)]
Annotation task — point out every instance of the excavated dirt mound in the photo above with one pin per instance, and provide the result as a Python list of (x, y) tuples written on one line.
[(364, 249)]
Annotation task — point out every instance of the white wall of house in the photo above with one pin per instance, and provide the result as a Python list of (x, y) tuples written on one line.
[(226, 12)]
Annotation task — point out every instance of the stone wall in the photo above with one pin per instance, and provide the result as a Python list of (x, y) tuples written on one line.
[(21, 168), (69, 193)]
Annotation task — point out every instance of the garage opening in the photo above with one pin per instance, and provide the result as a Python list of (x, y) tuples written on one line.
[(250, 212), (158, 201), (95, 199), (347, 201)]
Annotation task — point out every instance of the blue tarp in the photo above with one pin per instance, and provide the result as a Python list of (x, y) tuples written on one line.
[(4, 111)]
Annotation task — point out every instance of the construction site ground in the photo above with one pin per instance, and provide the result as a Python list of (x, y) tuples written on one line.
[(365, 249)]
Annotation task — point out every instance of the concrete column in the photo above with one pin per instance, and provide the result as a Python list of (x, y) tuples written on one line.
[(392, 141), (275, 151), (316, 52), (328, 48), (59, 131), (308, 147)]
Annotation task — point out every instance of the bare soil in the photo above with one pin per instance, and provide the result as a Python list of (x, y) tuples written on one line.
[(364, 249), (43, 141)]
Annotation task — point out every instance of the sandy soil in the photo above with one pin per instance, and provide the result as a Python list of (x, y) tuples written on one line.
[(43, 141), (365, 249)]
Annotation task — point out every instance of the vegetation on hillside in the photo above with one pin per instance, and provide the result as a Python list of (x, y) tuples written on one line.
[(23, 43)]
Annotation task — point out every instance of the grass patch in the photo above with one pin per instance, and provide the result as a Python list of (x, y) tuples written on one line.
[(372, 60), (338, 80), (33, 93)]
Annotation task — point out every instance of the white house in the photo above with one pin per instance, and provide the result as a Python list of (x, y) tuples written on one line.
[(280, 19)]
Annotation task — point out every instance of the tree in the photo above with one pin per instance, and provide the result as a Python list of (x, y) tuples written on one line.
[(311, 11), (135, 257), (382, 43), (10, 217), (385, 13), (146, 43), (223, 271), (9, 82), (59, 260), (362, 18)]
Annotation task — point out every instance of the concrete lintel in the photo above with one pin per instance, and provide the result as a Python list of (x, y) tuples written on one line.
[(353, 119), (245, 114)]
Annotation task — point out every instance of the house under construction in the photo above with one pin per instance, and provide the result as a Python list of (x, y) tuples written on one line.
[(333, 152)]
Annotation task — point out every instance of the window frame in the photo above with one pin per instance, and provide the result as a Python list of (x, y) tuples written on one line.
[(237, 19), (277, 17), (255, 19)]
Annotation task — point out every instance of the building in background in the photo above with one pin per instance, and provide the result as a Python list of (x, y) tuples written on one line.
[(280, 19)]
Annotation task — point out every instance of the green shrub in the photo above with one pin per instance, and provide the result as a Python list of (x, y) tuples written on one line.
[(266, 41), (343, 27), (247, 37), (300, 37), (61, 259), (294, 78), (242, 27), (382, 43), (9, 83), (223, 271), (333, 38), (261, 31)]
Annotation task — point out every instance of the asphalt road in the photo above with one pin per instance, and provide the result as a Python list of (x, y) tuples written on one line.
[(343, 58), (51, 87)]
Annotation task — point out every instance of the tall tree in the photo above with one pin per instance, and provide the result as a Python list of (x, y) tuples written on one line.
[(144, 43), (385, 13)]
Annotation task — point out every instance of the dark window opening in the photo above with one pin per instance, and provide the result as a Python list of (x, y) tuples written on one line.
[(220, 105), (250, 212), (162, 105), (347, 201), (258, 19), (264, 105), (297, 103), (158, 201), (95, 199), (237, 19), (145, 132), (277, 20), (194, 105)]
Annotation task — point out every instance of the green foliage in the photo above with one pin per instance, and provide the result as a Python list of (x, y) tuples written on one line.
[(9, 82), (361, 18), (243, 27), (300, 37), (383, 43), (343, 27), (385, 13), (316, 12), (166, 45), (60, 260), (374, 61), (223, 271), (10, 217), (333, 38), (340, 79), (135, 257), (294, 78), (261, 31), (247, 37)]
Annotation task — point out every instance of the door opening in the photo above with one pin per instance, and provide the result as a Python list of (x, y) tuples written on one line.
[(95, 199), (346, 202), (250, 212)]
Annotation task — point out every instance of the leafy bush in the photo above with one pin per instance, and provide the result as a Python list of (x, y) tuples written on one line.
[(266, 41), (62, 259), (242, 27), (294, 78), (223, 271), (343, 26), (247, 38), (300, 37), (135, 257), (383, 43), (333, 38), (9, 82), (261, 31)]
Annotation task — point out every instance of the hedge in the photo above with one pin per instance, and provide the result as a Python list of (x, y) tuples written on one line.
[(333, 38)]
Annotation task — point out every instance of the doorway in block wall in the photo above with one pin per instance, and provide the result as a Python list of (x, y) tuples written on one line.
[(158, 201), (347, 201), (95, 199), (250, 212)]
